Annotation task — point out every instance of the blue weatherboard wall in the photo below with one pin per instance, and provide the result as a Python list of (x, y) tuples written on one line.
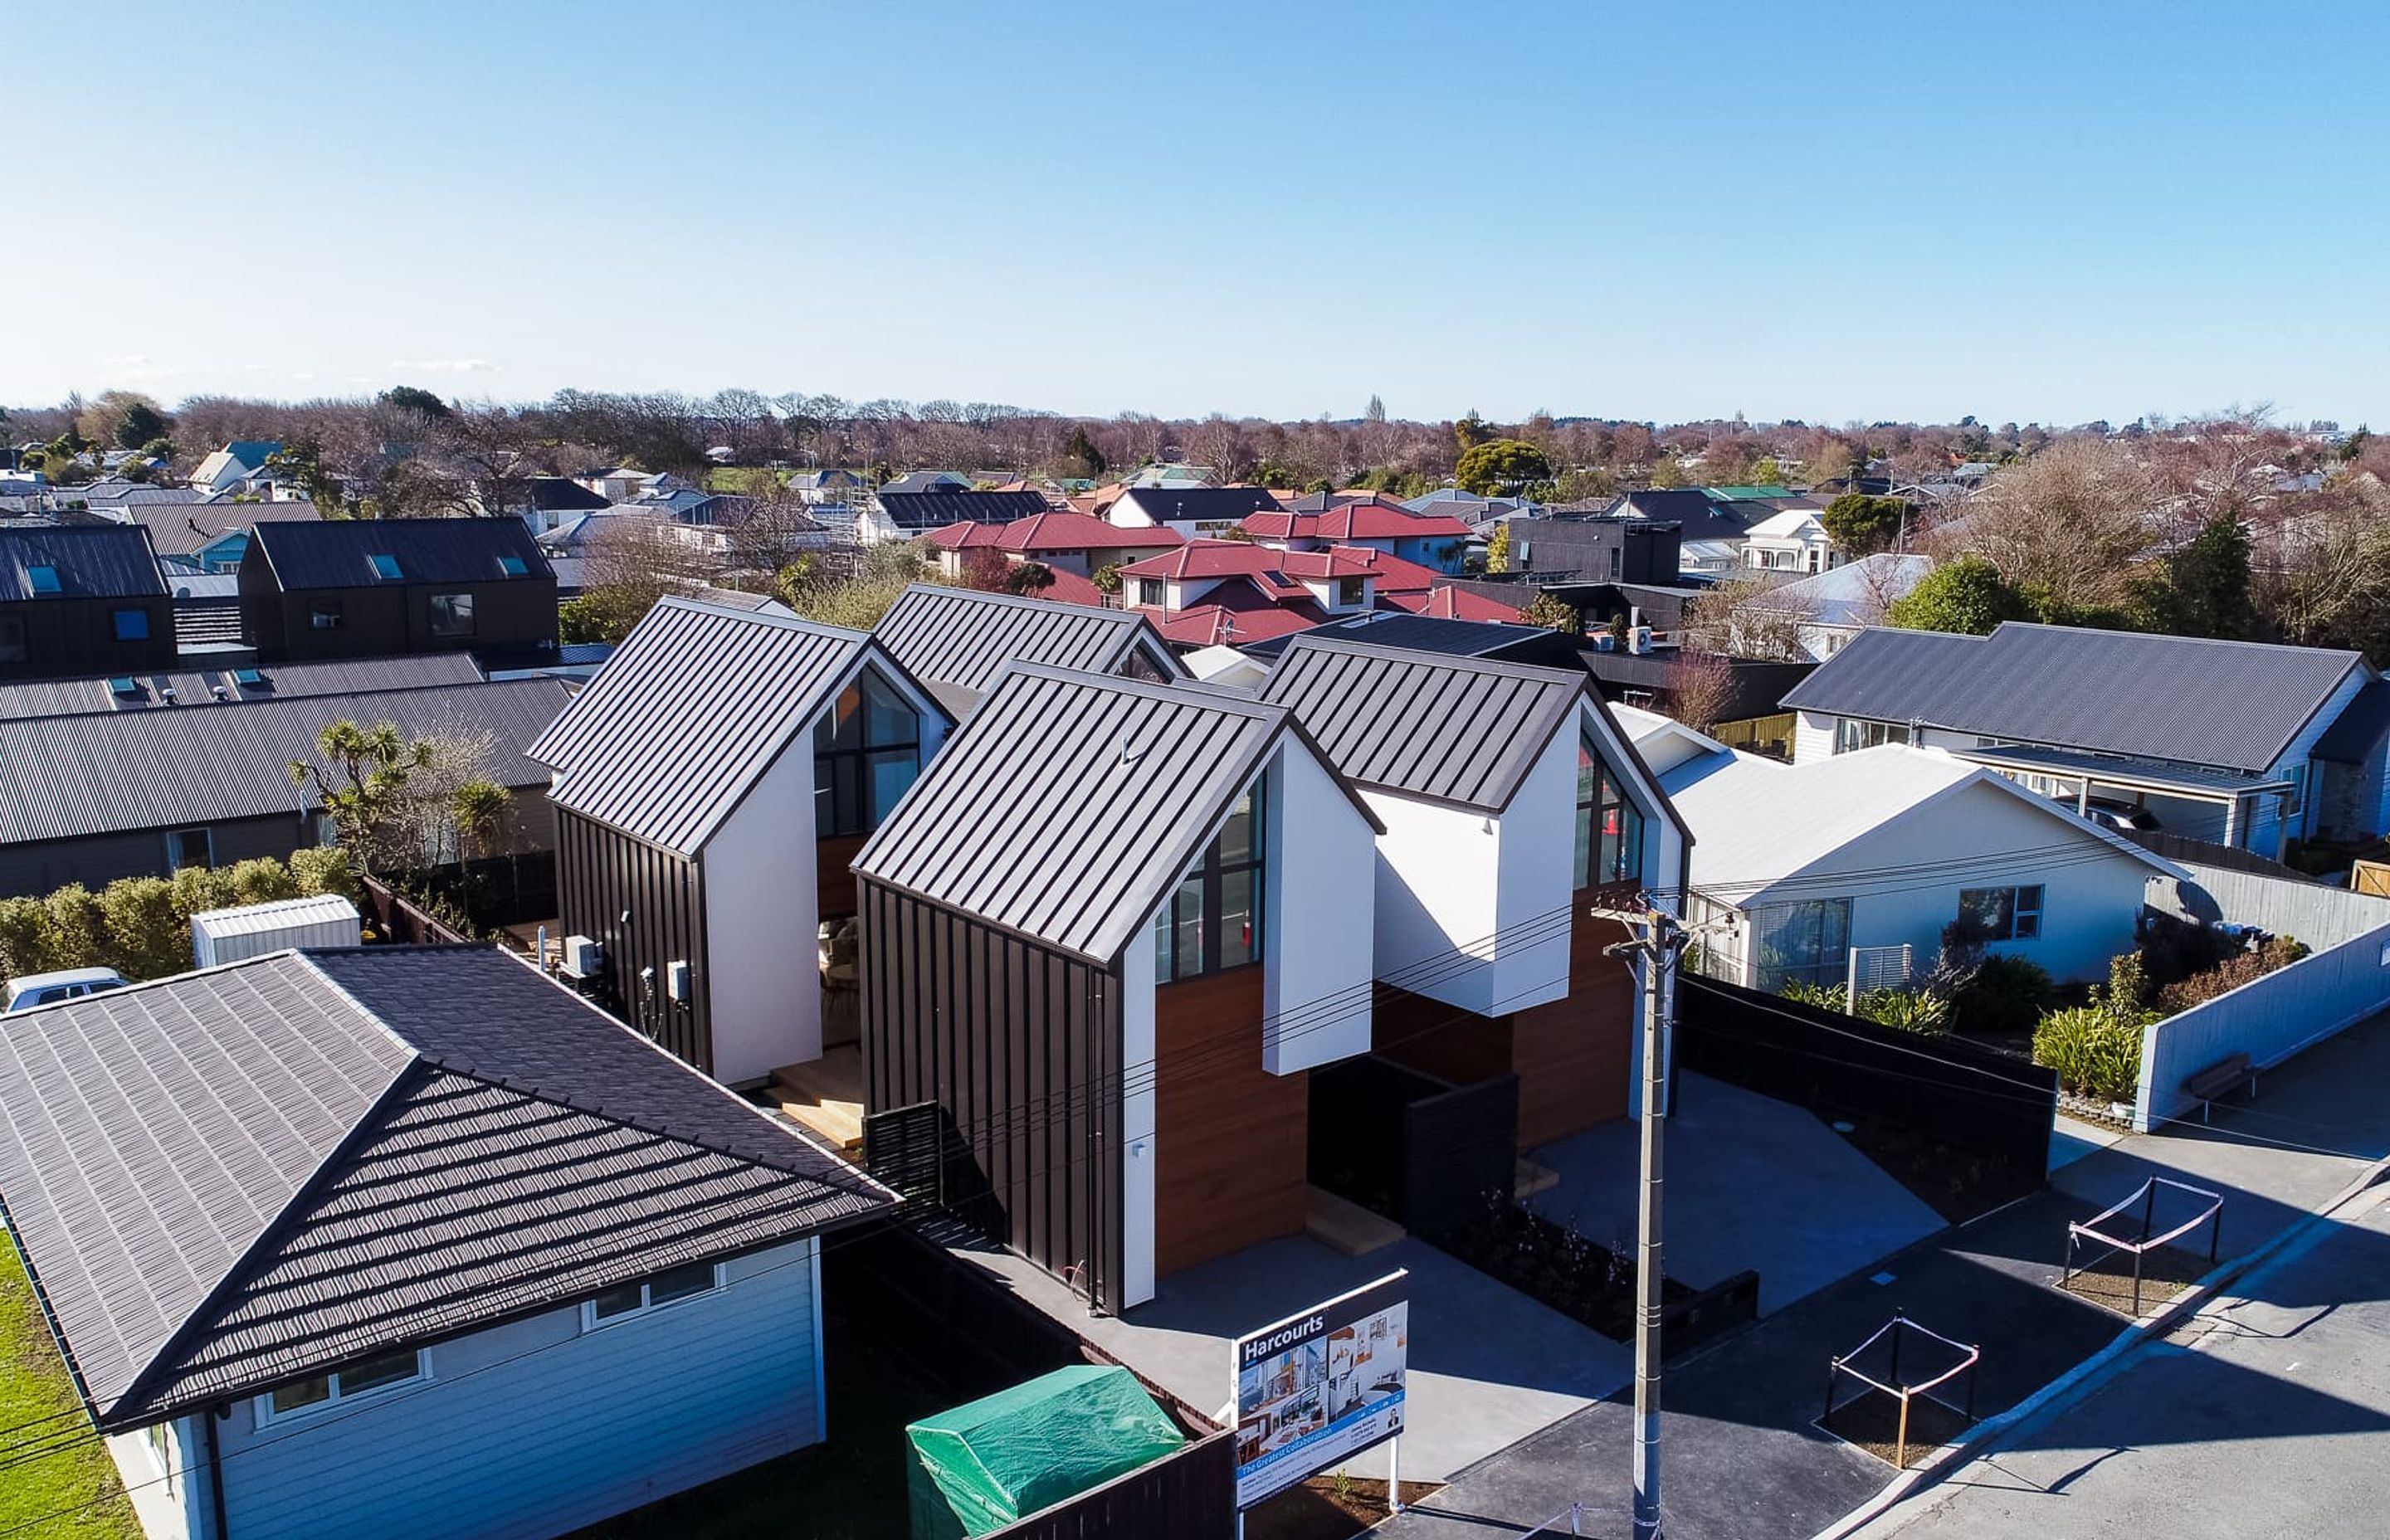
[(589, 1425)]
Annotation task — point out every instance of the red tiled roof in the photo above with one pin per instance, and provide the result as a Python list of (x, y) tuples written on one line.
[(1069, 588), (1448, 603), (963, 536), (1394, 575), (1213, 624), (1080, 531), (1361, 520), (1202, 558)]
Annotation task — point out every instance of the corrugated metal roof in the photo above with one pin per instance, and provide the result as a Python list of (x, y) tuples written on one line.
[(696, 704), (102, 772), (248, 919), (1757, 822), (1389, 628), (1457, 730), (179, 529), (93, 561), (2236, 705), (963, 636), (197, 687), (1070, 801), (366, 1149), (339, 553)]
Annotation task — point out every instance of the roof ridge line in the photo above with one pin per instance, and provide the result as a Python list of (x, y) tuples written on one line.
[(272, 1232)]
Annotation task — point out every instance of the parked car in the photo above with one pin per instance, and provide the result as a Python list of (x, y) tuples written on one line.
[(2119, 814), (48, 989)]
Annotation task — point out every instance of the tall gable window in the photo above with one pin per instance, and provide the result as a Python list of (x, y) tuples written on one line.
[(1609, 827), (866, 752), (1212, 921)]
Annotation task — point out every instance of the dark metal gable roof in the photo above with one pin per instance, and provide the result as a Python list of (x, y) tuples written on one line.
[(236, 1177), (1457, 730), (1070, 801), (1207, 505), (696, 705), (339, 553), (197, 686), (962, 637), (2237, 705), (93, 561), (929, 510)]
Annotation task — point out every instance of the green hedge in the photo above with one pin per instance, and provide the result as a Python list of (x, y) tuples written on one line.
[(141, 926)]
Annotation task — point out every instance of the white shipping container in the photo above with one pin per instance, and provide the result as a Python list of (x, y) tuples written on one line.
[(230, 935)]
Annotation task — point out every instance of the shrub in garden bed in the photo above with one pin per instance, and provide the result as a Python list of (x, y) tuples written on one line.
[(2095, 1052)]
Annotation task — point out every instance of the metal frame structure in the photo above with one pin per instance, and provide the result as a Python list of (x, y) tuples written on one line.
[(1970, 1354), (2147, 1196)]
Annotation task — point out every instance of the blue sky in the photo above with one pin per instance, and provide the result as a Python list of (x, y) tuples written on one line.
[(2028, 211)]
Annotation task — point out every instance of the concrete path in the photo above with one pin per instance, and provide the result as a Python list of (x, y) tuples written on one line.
[(1743, 1459), (1488, 1366), (1753, 1182), (2267, 1413)]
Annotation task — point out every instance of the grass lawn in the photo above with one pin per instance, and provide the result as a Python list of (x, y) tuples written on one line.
[(33, 1384), (743, 479)]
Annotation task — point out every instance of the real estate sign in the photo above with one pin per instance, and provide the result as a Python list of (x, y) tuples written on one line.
[(1321, 1386)]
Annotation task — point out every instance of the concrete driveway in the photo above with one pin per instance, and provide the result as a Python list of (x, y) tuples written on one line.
[(1488, 1366), (1751, 1182)]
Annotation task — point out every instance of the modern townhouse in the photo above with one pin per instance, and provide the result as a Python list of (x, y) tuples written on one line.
[(82, 598), (957, 640), (376, 587)]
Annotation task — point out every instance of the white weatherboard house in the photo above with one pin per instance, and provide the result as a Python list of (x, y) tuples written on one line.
[(429, 1248), (2236, 743), (1882, 848)]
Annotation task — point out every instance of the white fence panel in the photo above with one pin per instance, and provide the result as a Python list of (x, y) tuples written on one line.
[(2269, 1019)]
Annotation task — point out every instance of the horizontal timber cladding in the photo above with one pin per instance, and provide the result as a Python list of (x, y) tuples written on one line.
[(602, 874), (1230, 1141), (1574, 1057), (1021, 1044)]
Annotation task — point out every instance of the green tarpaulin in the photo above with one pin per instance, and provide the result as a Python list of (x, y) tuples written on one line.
[(980, 1465)]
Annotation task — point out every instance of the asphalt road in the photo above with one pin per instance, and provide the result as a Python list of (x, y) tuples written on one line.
[(2268, 1414)]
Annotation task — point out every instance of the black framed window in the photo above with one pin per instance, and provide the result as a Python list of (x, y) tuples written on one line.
[(452, 614), (1608, 827), (132, 626), (190, 847), (866, 752), (1213, 922), (325, 614)]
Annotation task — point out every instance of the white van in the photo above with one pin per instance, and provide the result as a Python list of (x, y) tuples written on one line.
[(48, 989)]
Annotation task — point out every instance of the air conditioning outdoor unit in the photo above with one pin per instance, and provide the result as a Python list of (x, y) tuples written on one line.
[(580, 956)]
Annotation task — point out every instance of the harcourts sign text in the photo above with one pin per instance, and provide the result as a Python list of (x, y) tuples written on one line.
[(1319, 1387)]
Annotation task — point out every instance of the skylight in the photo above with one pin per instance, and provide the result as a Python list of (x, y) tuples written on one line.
[(123, 684), (386, 567), (512, 566), (41, 580), (248, 678)]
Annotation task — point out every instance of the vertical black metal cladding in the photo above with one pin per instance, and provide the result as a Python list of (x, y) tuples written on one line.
[(603, 875), (1021, 1044)]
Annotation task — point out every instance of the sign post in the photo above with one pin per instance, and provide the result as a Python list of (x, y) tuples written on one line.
[(1319, 1387)]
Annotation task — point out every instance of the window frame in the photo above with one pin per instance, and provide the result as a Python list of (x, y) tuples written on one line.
[(326, 607), (135, 613), (2024, 919), (335, 1395), (1208, 880), (1855, 733), (1591, 803), (648, 1305), (207, 836), (856, 761), (451, 599)]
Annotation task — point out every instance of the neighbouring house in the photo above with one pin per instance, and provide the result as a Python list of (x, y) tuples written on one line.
[(1174, 477), (927, 481), (1194, 512), (1744, 710), (1794, 539), (98, 795), (826, 487), (1795, 865), (370, 587), (81, 599), (427, 1246), (1509, 804), (1074, 544), (235, 467), (1831, 607), (1436, 541), (1596, 548), (895, 515), (207, 537), (711, 786), (197, 683), (957, 640), (2235, 743), (1104, 899), (1711, 529), (543, 502), (1213, 592), (1452, 601)]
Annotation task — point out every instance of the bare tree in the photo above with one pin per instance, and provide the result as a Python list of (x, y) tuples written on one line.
[(2068, 524), (1700, 685), (1748, 618)]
